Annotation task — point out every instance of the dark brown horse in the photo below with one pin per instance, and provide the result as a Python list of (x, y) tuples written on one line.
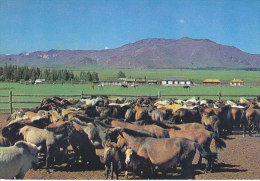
[(166, 152), (200, 136)]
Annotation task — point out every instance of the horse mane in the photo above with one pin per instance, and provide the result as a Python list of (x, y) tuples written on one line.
[(136, 133)]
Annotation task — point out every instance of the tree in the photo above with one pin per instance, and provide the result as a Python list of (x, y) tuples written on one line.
[(89, 77), (95, 76), (121, 74)]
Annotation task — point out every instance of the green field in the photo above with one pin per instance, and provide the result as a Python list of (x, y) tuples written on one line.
[(196, 76), (144, 90)]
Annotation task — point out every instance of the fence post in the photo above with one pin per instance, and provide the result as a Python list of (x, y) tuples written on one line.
[(219, 95), (159, 94), (11, 101), (82, 94)]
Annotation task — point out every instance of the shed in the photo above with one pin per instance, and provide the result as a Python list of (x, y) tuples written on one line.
[(236, 82), (211, 82), (176, 81), (39, 81)]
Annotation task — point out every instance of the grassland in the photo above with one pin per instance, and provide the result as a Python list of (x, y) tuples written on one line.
[(196, 76), (145, 90)]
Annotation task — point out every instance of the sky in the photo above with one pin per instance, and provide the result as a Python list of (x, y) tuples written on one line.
[(41, 25)]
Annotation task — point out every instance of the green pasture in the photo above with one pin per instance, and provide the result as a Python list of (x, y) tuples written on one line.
[(196, 76), (144, 90)]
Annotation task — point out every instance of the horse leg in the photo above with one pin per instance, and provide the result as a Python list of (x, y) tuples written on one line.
[(112, 170), (244, 130), (106, 172), (116, 171), (200, 161), (48, 158), (187, 170), (20, 176)]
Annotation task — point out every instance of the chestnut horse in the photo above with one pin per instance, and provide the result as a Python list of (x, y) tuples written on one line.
[(166, 152)]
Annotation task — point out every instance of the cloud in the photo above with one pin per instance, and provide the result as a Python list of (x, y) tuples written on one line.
[(181, 21), (106, 48)]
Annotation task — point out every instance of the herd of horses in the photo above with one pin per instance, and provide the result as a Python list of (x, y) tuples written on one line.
[(146, 136)]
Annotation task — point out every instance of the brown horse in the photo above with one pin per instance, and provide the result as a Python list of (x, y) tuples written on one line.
[(141, 113), (189, 126), (250, 120), (157, 130), (211, 122), (166, 152), (111, 159), (200, 136), (225, 116)]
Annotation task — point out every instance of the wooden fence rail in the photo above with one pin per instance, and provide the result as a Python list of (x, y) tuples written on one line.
[(82, 95)]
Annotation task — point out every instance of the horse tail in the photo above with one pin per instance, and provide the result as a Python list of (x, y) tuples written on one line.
[(219, 143), (207, 155)]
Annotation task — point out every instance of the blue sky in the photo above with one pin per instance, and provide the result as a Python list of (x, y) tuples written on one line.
[(32, 25)]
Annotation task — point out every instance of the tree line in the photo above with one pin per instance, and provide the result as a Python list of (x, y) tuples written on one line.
[(14, 73)]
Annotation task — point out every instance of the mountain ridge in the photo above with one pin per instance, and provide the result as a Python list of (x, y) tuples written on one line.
[(146, 53)]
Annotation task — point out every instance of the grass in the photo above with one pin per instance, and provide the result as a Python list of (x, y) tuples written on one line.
[(196, 76), (144, 90)]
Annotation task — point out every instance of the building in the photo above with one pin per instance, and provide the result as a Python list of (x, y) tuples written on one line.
[(39, 81), (111, 81), (211, 82), (176, 81), (236, 82)]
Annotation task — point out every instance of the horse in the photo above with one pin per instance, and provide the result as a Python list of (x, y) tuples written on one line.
[(124, 85), (186, 87), (200, 136), (140, 165), (250, 119), (56, 137), (111, 160), (211, 122), (157, 130), (166, 152), (184, 115), (16, 160)]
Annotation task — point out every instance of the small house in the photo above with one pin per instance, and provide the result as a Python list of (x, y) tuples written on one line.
[(141, 81), (176, 81), (152, 82), (211, 82), (236, 82), (39, 81), (111, 81), (130, 81)]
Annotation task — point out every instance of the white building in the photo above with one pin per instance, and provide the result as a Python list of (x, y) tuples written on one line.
[(176, 81)]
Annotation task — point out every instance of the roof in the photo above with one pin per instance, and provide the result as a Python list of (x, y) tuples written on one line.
[(211, 80), (236, 80), (176, 78)]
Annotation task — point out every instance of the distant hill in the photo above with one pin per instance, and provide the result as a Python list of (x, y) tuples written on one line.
[(147, 53)]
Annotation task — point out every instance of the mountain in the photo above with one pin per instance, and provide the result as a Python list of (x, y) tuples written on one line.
[(147, 53)]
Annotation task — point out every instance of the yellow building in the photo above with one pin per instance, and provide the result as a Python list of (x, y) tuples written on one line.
[(211, 82)]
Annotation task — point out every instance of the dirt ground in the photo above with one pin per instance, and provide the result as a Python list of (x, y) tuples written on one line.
[(240, 160)]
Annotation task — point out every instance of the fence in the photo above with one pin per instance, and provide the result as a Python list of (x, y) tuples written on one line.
[(82, 95)]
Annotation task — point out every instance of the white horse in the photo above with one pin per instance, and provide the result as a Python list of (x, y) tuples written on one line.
[(16, 160)]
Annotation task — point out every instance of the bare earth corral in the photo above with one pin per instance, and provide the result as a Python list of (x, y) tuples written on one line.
[(240, 160)]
